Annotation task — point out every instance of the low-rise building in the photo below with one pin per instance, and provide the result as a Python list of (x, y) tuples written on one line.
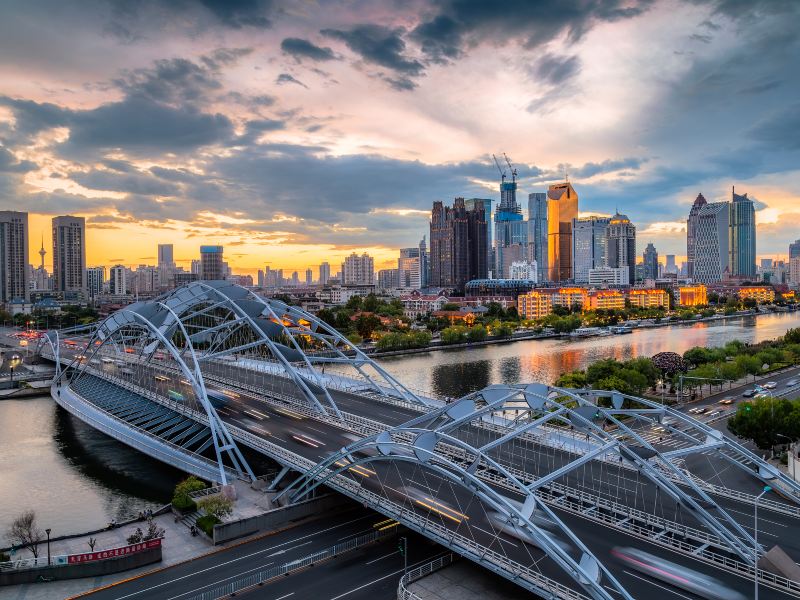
[(605, 299), (758, 293), (535, 304), (417, 304), (649, 298), (692, 295), (569, 297)]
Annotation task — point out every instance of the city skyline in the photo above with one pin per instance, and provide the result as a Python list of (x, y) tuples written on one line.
[(267, 123)]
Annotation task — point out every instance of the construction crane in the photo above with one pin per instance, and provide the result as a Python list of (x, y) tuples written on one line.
[(510, 166), (499, 168)]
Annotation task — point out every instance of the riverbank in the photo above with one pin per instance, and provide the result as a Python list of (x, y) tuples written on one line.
[(524, 336)]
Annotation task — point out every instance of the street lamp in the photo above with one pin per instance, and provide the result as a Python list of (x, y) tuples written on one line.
[(47, 531), (755, 537), (402, 546)]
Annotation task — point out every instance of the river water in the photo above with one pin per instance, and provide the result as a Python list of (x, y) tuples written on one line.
[(78, 479)]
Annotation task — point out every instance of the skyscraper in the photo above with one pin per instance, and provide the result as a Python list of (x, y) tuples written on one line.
[(212, 265), (650, 260), (14, 255), (69, 255), (358, 270), (742, 238), (409, 268), (691, 233), (621, 245), (458, 244), (166, 264), (424, 263), (537, 233), (588, 246), (794, 249), (510, 232), (562, 207), (486, 203), (324, 273), (711, 242), (309, 276), (95, 279), (670, 266)]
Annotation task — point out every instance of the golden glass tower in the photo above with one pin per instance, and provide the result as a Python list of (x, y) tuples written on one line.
[(562, 207)]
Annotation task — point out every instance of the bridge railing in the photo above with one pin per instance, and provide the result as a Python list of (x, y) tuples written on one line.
[(403, 593), (261, 577)]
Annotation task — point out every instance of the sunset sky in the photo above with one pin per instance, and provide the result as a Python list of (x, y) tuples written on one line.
[(295, 132)]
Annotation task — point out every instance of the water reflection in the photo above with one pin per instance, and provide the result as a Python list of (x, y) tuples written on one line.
[(461, 379), (459, 371)]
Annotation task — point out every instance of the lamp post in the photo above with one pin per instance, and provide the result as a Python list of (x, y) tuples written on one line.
[(47, 531), (755, 537), (403, 547)]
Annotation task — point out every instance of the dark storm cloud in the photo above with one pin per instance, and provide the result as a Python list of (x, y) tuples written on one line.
[(284, 78), (131, 183), (10, 164), (240, 13), (379, 45), (256, 128), (174, 80), (556, 70), (779, 130), (459, 24), (607, 166), (300, 48)]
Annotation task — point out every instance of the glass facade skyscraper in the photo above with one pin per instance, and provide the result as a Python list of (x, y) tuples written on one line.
[(511, 236), (537, 233), (562, 207), (691, 233), (621, 245), (588, 246), (742, 238)]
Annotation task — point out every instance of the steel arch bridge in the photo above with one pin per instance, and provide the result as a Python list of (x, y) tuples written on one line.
[(508, 464)]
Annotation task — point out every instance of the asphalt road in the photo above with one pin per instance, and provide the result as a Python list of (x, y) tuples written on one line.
[(186, 579), (315, 440)]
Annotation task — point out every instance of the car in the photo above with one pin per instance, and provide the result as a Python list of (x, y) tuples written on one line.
[(762, 395), (793, 382), (770, 385), (749, 393), (714, 413), (727, 401), (700, 410)]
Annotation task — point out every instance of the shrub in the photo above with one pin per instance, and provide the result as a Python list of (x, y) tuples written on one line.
[(206, 524), (217, 506), (184, 504), (180, 498)]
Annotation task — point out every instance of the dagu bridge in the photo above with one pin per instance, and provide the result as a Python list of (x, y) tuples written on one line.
[(568, 493)]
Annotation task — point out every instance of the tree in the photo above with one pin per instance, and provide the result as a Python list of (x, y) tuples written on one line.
[(153, 532), (370, 303), (327, 315), (450, 306), (612, 383), (477, 333), (366, 324), (767, 421), (24, 532), (217, 506), (574, 379), (354, 303), (646, 367), (748, 364), (92, 543), (181, 497), (669, 363), (792, 336)]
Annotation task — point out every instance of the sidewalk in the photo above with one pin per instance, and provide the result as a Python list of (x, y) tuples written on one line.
[(178, 546)]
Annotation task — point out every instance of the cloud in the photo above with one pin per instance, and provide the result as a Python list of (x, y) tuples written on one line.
[(285, 78), (240, 13), (10, 164), (300, 48), (556, 70), (133, 183), (779, 129), (379, 45)]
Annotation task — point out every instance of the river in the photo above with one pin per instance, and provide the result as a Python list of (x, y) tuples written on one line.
[(78, 479)]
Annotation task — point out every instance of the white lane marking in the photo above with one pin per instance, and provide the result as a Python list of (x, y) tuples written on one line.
[(220, 581), (651, 582), (741, 512), (494, 535), (361, 587), (171, 581), (286, 596), (374, 560)]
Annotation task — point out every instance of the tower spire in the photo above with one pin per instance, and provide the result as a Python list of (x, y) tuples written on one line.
[(42, 252)]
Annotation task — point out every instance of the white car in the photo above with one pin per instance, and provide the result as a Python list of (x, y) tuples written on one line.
[(770, 385)]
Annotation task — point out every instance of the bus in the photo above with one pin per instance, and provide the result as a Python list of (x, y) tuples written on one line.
[(175, 395)]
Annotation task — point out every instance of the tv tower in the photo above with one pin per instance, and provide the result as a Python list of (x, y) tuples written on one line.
[(42, 252)]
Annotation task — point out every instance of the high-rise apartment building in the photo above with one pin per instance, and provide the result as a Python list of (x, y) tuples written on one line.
[(409, 269), (212, 265), (118, 280), (324, 273), (691, 233), (309, 276), (670, 266), (650, 261), (562, 208), (166, 264), (711, 242), (742, 237), (69, 255), (358, 270), (13, 256), (588, 246), (537, 233), (95, 280), (621, 245), (458, 244), (425, 263), (388, 279)]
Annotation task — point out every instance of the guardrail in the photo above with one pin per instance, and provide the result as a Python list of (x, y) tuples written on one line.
[(403, 593), (261, 577)]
